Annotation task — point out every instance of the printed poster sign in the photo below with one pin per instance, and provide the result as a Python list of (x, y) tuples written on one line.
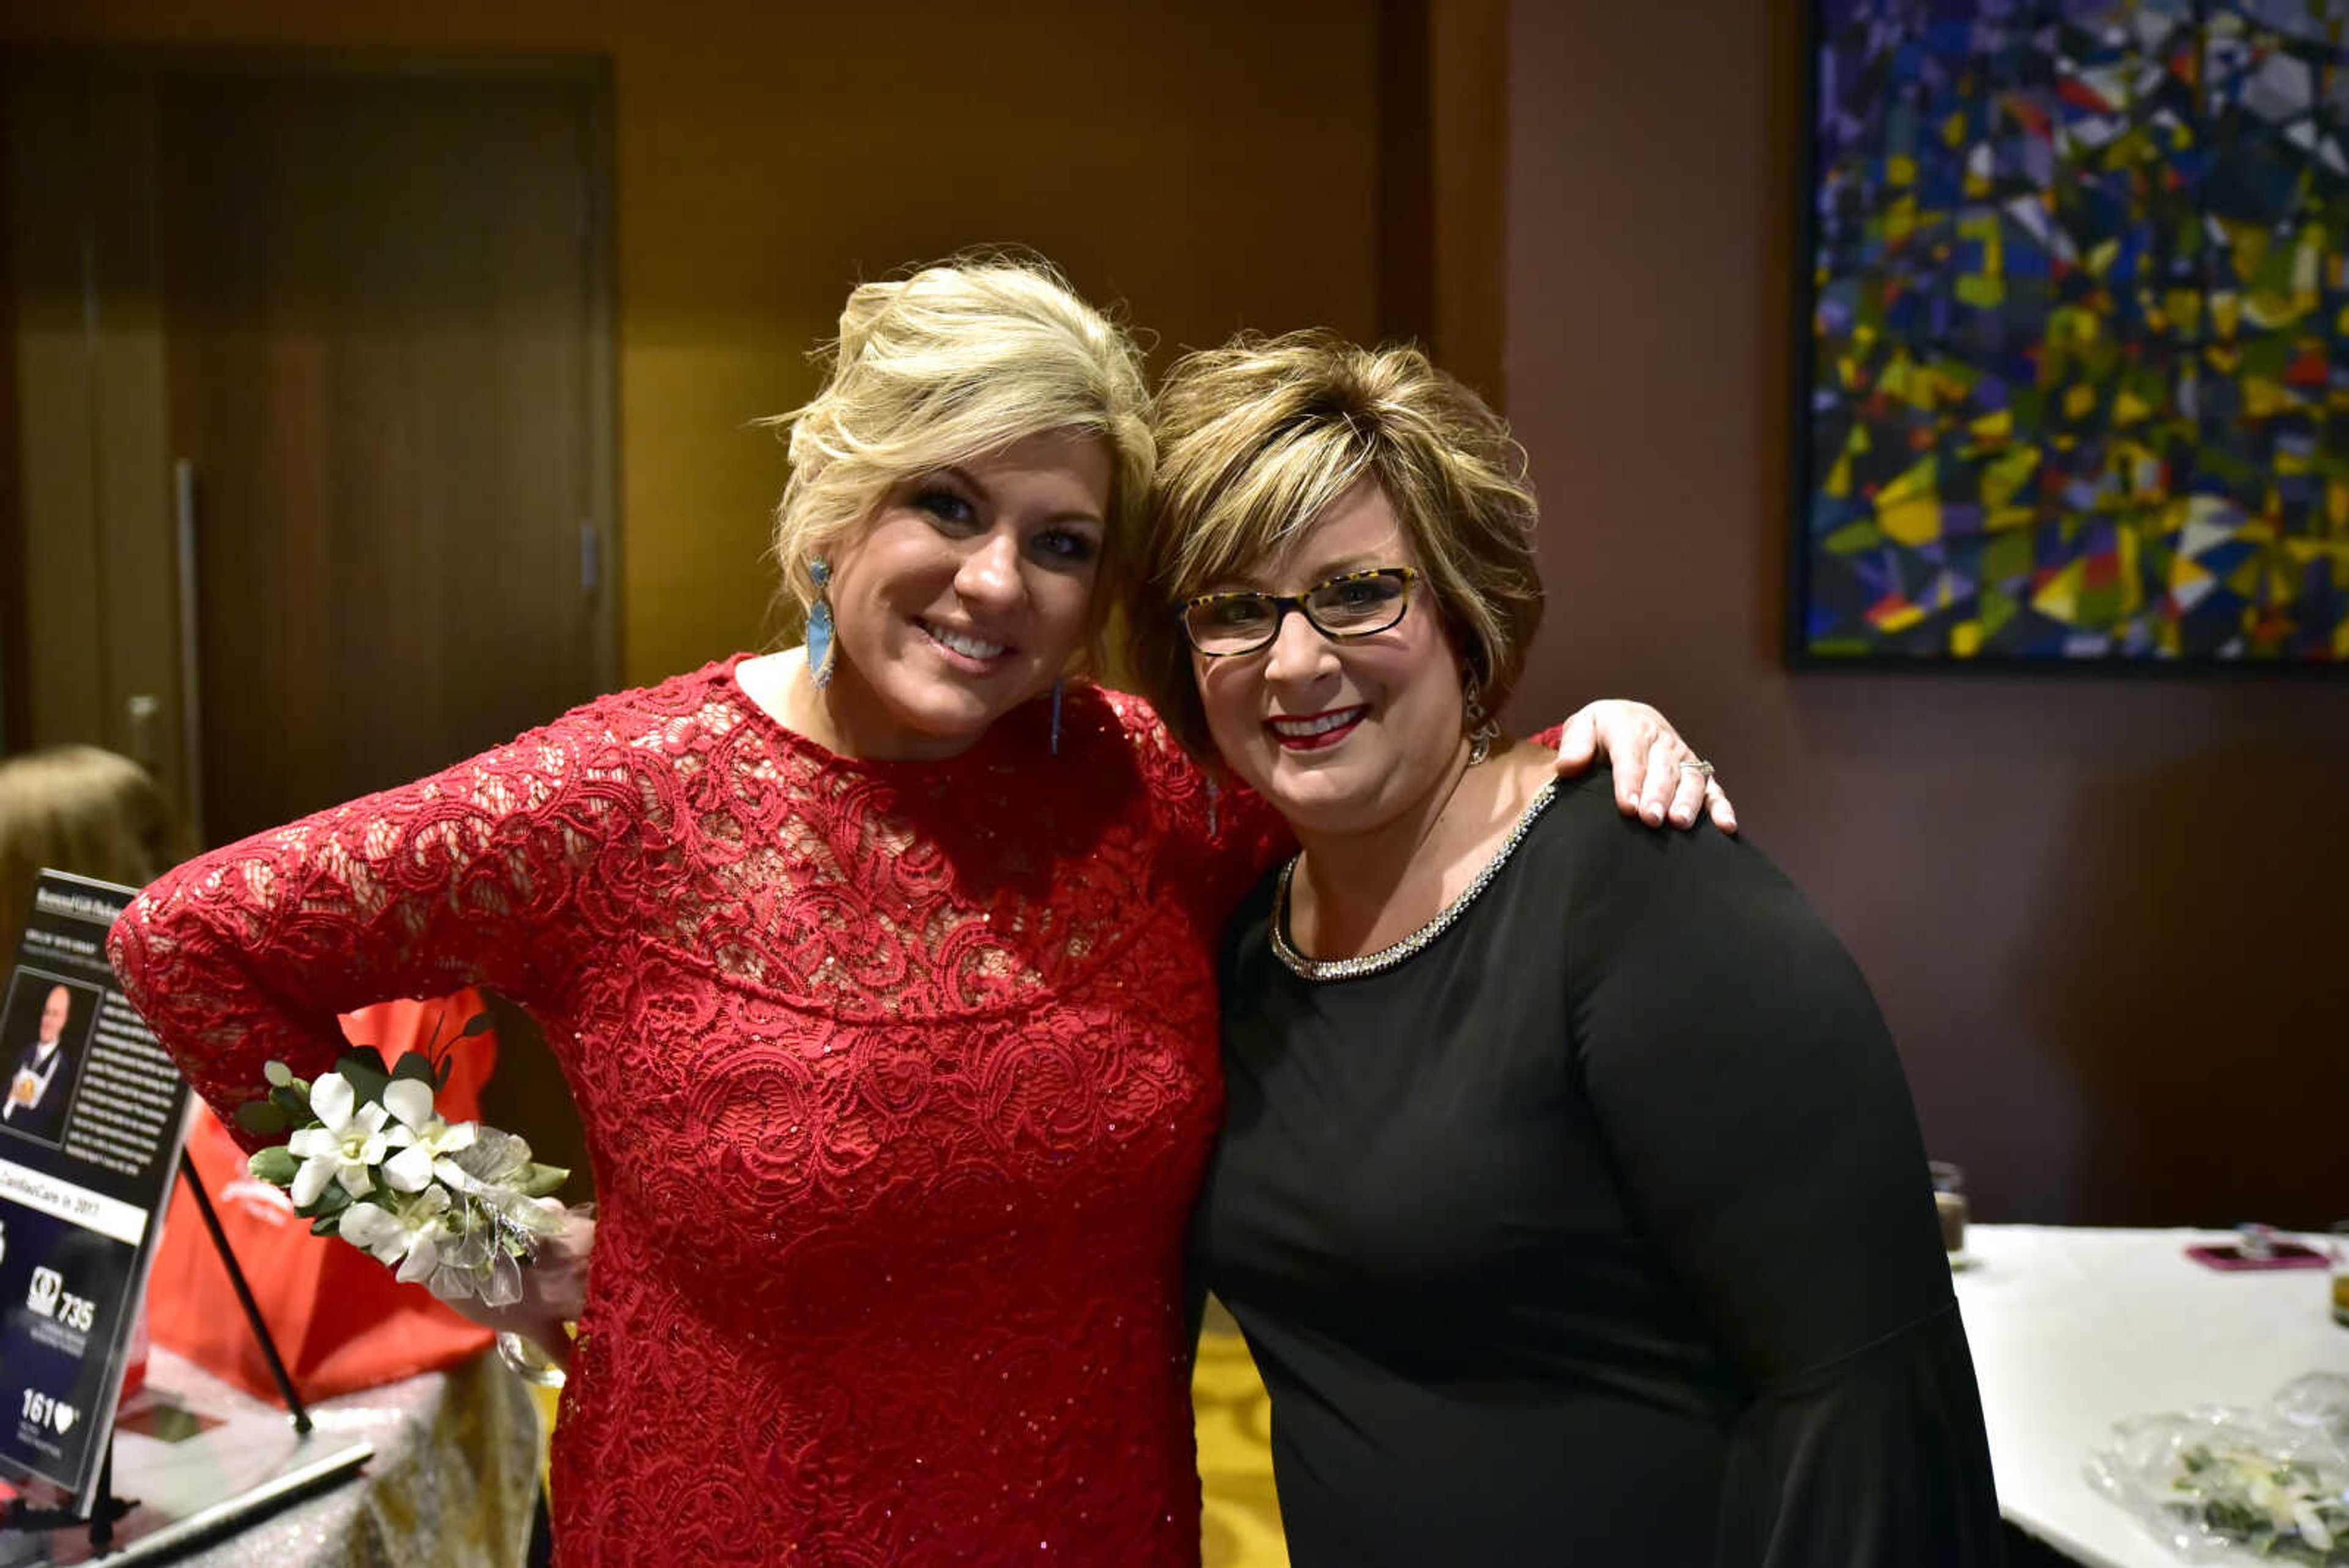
[(92, 1114)]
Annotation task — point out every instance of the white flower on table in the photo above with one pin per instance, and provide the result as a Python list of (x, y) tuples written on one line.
[(430, 1142), (407, 1232), (2312, 1533), (349, 1142)]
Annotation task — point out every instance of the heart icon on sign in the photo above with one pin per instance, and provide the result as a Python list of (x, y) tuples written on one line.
[(64, 1418)]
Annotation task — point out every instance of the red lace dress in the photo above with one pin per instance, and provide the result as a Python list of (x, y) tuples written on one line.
[(898, 1078)]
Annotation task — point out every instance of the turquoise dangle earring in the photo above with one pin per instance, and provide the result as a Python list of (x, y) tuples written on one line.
[(818, 624)]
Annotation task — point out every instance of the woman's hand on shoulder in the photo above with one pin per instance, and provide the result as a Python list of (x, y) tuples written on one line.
[(1657, 773)]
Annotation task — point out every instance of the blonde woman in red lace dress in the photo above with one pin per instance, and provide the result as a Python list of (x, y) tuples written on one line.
[(883, 983)]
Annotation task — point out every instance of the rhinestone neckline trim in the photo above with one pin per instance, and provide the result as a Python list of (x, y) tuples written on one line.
[(1395, 952)]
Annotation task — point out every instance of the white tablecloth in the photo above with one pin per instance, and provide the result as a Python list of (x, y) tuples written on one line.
[(2074, 1329)]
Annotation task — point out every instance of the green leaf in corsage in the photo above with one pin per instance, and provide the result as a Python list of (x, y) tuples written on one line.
[(544, 1180), (276, 1166)]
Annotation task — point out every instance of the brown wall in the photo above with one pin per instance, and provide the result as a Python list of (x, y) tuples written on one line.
[(2108, 918), (1213, 164)]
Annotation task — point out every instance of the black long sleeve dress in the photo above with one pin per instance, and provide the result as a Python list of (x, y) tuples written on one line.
[(1595, 1231)]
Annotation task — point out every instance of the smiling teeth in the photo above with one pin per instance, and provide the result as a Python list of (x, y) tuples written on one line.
[(1303, 729), (969, 647)]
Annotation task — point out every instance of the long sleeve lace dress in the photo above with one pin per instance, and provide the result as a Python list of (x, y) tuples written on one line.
[(898, 1081)]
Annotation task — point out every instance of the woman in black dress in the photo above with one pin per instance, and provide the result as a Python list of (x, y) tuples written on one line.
[(1571, 1195)]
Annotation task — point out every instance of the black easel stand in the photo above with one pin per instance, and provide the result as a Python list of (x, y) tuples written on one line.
[(244, 1298), (101, 1518), (109, 1507)]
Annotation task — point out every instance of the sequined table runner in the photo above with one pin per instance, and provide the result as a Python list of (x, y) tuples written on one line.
[(451, 1474)]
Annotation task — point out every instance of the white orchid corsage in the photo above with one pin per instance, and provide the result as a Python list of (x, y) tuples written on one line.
[(451, 1204)]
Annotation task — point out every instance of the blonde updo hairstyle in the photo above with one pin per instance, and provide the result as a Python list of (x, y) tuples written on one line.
[(1256, 438), (954, 361), (77, 808)]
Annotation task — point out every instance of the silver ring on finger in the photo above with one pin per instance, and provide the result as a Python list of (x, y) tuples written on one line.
[(1700, 765)]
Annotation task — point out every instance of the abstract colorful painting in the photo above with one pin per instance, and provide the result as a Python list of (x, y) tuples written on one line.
[(2077, 368)]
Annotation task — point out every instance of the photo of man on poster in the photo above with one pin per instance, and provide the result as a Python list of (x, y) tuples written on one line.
[(41, 1078)]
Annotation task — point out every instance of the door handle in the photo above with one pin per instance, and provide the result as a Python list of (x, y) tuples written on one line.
[(192, 682)]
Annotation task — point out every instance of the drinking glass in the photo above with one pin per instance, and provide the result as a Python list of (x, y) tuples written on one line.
[(1950, 1202), (2340, 1251)]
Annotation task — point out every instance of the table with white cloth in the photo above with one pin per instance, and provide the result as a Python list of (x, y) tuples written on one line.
[(2074, 1329)]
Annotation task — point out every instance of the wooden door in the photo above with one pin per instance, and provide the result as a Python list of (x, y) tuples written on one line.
[(386, 371)]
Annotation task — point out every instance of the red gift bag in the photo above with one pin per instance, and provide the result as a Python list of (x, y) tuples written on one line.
[(341, 1321)]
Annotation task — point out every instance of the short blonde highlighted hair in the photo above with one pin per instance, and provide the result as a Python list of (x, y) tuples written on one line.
[(951, 362), (1256, 438)]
